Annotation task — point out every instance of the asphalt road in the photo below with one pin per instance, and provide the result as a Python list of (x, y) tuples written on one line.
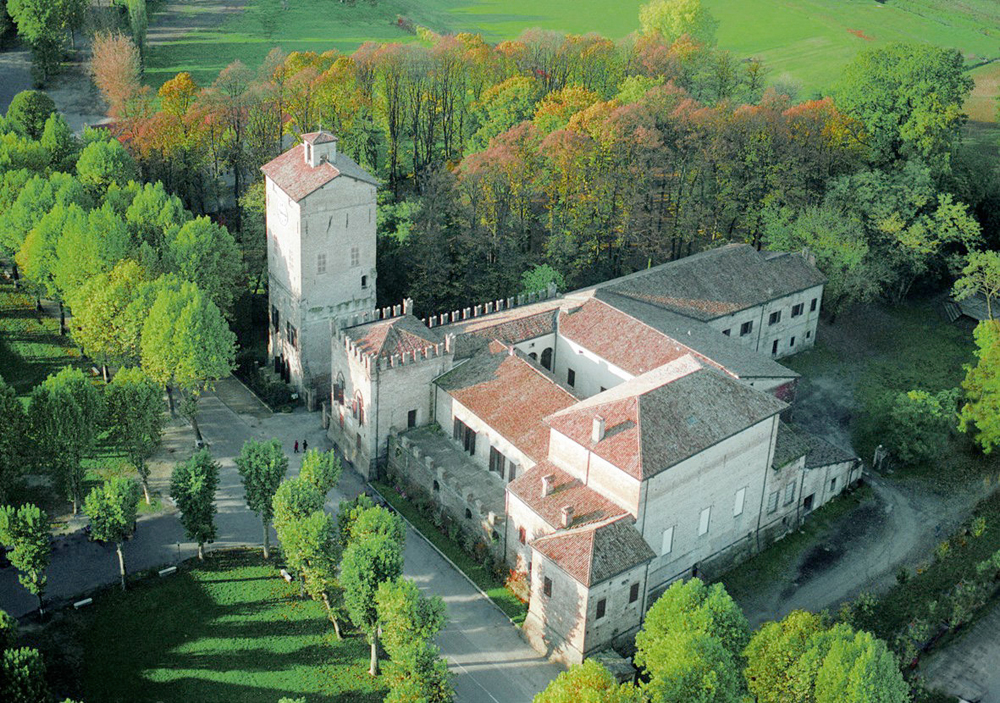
[(486, 654)]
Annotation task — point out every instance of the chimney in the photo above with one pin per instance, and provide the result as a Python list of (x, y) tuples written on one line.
[(548, 484), (597, 433), (566, 515)]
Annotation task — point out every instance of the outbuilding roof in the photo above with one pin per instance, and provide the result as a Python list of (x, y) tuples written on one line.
[(293, 174), (596, 552), (510, 394), (663, 417), (567, 491), (720, 281)]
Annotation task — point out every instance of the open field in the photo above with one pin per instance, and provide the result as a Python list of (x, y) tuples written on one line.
[(227, 630), (806, 41)]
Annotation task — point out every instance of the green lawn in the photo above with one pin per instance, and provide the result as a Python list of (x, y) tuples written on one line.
[(30, 345), (497, 591), (807, 41), (227, 630)]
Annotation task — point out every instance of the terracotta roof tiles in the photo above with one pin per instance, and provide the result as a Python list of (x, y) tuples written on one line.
[(598, 552), (588, 505)]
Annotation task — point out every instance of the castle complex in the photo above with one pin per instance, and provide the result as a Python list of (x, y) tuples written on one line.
[(603, 443)]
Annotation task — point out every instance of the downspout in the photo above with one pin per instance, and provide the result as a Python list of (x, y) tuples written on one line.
[(763, 488)]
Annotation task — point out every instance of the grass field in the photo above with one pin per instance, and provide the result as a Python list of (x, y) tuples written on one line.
[(227, 630), (806, 41), (30, 344)]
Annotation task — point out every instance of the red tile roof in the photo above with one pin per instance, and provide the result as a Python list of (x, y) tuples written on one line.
[(321, 137), (398, 335), (665, 416), (297, 178), (621, 339), (595, 553), (588, 505), (509, 394)]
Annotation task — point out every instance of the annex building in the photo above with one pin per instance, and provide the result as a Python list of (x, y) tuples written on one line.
[(603, 443)]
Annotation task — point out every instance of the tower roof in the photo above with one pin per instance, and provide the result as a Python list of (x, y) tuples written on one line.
[(298, 179)]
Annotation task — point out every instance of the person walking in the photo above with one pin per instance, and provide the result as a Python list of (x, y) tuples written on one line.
[(296, 446), (305, 445)]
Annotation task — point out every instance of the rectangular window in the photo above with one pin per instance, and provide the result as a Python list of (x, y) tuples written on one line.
[(498, 462), (275, 318), (738, 503), (522, 535), (364, 282), (602, 608), (792, 342), (772, 501), (547, 586), (812, 305), (411, 418), (775, 318), (355, 257), (746, 328), (320, 263), (789, 493), (291, 334), (457, 430), (633, 593), (808, 335), (571, 377), (704, 520), (774, 347), (833, 485), (667, 544), (798, 309), (726, 332)]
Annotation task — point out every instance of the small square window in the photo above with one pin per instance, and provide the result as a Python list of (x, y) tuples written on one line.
[(726, 332), (812, 305), (547, 586), (633, 593), (522, 535), (746, 328), (320, 263), (602, 608), (797, 309), (571, 377), (775, 318)]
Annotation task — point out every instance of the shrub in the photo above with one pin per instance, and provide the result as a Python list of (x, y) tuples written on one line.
[(942, 551), (979, 527)]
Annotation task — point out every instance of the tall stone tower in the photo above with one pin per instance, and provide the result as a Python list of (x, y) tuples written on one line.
[(320, 255)]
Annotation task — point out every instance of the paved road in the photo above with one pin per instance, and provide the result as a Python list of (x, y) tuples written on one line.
[(487, 656), (968, 668)]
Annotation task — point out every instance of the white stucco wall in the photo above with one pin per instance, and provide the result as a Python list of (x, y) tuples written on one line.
[(592, 372), (802, 327)]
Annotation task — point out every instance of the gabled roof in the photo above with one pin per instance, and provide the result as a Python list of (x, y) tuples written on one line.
[(509, 326), (720, 281), (620, 339), (705, 340), (320, 137), (397, 335), (663, 417), (597, 552), (297, 178), (588, 505), (823, 453), (510, 394)]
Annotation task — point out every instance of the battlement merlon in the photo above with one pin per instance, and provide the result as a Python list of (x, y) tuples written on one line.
[(470, 313)]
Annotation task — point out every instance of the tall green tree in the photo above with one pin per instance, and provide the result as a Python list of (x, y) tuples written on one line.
[(377, 522), (310, 548), (112, 509), (135, 417), (187, 344), (981, 412), (29, 111), (25, 531), (321, 469), (262, 466), (773, 672), (13, 429), (193, 485), (589, 682), (692, 643), (65, 415), (23, 676), (366, 563), (58, 140), (980, 276), (104, 162), (909, 98), (672, 19), (206, 254)]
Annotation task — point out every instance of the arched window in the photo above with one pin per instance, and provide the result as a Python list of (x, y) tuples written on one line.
[(468, 514), (360, 403), (533, 356), (338, 389), (547, 358), (437, 486)]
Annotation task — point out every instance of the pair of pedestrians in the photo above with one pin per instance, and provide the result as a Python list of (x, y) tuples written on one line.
[(305, 446)]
